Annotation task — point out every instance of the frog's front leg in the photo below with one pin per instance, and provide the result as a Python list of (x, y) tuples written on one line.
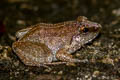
[(33, 54), (64, 56)]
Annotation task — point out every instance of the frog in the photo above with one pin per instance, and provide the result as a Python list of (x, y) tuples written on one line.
[(52, 44)]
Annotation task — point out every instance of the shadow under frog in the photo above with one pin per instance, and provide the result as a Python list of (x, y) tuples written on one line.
[(46, 44)]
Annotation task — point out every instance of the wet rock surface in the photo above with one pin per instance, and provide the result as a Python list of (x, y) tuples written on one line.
[(103, 53)]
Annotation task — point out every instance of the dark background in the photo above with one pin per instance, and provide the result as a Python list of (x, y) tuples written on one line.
[(103, 53)]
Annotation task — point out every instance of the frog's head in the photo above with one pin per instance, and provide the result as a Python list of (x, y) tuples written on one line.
[(87, 30)]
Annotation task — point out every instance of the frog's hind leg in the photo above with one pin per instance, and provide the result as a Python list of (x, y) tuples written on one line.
[(64, 56), (32, 54)]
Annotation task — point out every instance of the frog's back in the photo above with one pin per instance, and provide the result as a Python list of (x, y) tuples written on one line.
[(42, 31)]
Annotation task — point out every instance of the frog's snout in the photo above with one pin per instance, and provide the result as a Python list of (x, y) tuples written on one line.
[(95, 27)]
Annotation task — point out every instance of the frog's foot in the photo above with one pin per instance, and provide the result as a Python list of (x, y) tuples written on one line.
[(32, 54), (64, 56)]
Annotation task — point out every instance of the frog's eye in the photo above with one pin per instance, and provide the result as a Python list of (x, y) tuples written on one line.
[(84, 29)]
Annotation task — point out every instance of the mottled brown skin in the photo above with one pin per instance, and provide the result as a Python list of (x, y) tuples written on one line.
[(43, 44)]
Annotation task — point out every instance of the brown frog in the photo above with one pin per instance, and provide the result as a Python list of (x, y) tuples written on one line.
[(45, 44)]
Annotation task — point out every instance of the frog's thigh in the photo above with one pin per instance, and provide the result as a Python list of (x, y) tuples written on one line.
[(63, 55), (32, 54)]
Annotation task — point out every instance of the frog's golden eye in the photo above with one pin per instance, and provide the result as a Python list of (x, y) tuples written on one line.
[(84, 29)]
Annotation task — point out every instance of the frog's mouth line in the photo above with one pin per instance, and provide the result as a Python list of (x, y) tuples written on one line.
[(89, 38), (93, 38)]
